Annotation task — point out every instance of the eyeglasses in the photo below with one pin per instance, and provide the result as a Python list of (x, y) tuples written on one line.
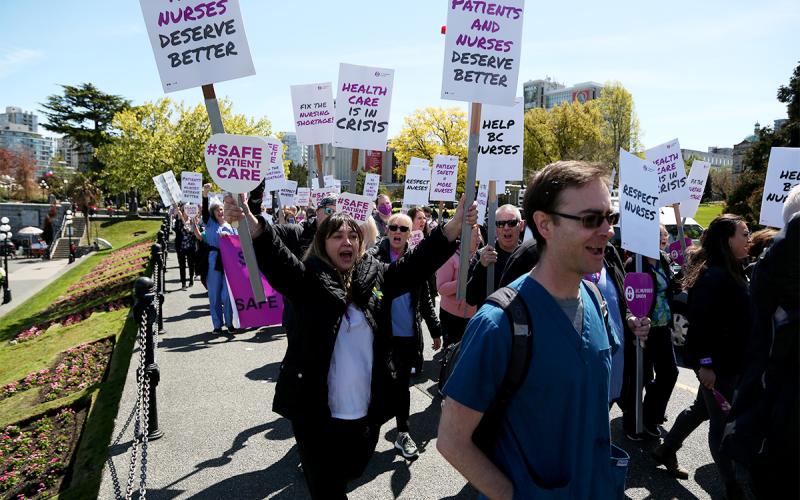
[(328, 210), (591, 221), (509, 223), (395, 227)]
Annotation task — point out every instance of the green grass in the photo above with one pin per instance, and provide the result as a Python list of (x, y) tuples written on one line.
[(707, 212), (120, 232)]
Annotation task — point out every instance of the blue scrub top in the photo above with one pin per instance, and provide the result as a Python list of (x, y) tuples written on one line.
[(555, 436)]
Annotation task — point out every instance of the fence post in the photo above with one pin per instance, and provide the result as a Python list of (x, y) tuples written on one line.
[(155, 251), (143, 308)]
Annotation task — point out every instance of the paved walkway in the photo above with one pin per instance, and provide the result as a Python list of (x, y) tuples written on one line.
[(221, 439), (28, 276)]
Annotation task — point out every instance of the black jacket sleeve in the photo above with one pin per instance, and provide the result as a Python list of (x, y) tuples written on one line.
[(279, 265), (476, 282), (428, 312), (290, 235), (704, 308), (205, 212)]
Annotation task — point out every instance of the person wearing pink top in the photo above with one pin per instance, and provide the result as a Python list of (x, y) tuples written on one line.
[(454, 314)]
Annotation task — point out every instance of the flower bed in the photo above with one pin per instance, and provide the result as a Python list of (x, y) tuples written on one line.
[(34, 458), (79, 368), (71, 319)]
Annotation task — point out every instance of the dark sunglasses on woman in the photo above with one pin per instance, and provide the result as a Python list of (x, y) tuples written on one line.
[(395, 227)]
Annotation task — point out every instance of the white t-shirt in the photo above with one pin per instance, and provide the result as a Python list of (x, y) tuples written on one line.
[(350, 373)]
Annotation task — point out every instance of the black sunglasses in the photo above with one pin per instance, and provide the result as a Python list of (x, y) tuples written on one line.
[(509, 223), (395, 227), (591, 221)]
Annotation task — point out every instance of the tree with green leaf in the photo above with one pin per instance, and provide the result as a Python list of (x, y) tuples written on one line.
[(85, 114), (620, 125)]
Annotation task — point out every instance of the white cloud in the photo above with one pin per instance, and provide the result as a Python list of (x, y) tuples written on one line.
[(12, 60)]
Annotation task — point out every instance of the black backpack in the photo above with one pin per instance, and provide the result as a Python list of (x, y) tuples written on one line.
[(508, 299)]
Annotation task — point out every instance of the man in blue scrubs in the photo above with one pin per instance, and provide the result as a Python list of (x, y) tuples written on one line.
[(554, 440)]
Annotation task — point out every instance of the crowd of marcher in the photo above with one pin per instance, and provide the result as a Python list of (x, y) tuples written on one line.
[(526, 402)]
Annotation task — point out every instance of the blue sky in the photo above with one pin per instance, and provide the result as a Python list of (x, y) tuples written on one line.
[(704, 72)]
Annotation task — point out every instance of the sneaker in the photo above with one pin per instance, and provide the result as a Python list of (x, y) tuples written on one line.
[(633, 436), (652, 432), (407, 446), (217, 331), (667, 457), (232, 330)]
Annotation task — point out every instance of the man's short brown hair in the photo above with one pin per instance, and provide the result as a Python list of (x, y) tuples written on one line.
[(542, 193)]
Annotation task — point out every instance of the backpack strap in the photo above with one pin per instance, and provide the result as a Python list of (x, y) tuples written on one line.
[(512, 304), (602, 307)]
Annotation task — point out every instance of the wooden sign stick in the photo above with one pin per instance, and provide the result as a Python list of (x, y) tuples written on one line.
[(469, 191), (217, 127), (491, 234), (320, 169)]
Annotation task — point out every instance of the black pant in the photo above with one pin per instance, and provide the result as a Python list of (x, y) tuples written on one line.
[(404, 356), (452, 327), (333, 452), (658, 357), (186, 261)]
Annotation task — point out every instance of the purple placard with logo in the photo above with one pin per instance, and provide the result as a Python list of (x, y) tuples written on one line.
[(675, 250), (251, 313), (639, 293)]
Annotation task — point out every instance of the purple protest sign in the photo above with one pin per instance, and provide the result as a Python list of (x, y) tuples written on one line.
[(675, 250), (639, 293), (251, 312)]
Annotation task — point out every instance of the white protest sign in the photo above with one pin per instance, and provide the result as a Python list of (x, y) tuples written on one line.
[(172, 185), (670, 171), (192, 187), (315, 183), (336, 187), (613, 178), (216, 196), (313, 113), (329, 181), (355, 205), (416, 237), (482, 51), (302, 197), (196, 42), (638, 205), (483, 202), (371, 184), (191, 209), (783, 173), (363, 102), (418, 181), (697, 184), (500, 144), (444, 178), (163, 191), (237, 162), (274, 174), (317, 195), (287, 192)]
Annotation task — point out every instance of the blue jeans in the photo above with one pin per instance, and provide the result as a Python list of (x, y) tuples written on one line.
[(218, 297)]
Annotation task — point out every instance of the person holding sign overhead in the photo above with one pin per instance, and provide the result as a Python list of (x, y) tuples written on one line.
[(218, 298), (335, 380)]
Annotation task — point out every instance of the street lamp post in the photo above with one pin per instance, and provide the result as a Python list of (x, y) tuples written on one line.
[(69, 228), (5, 238)]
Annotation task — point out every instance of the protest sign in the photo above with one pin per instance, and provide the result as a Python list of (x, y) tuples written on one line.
[(197, 42), (500, 143), (251, 312), (783, 173), (237, 163), (483, 202), (216, 196), (444, 178), (670, 171), (192, 187), (317, 195), (697, 184), (302, 198), (613, 178), (482, 51), (163, 191), (363, 102), (172, 185), (336, 188), (639, 293), (191, 210), (355, 205), (418, 181), (287, 193), (371, 184), (315, 183), (313, 113), (329, 181), (675, 249), (416, 237), (274, 174), (638, 205)]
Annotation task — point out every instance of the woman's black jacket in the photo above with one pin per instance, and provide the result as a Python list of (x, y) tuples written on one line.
[(421, 305), (318, 298), (719, 321)]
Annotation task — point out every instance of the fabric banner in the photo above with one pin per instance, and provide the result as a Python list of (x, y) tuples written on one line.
[(251, 313)]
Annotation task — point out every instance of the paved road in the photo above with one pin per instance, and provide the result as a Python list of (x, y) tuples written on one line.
[(223, 441), (28, 276)]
